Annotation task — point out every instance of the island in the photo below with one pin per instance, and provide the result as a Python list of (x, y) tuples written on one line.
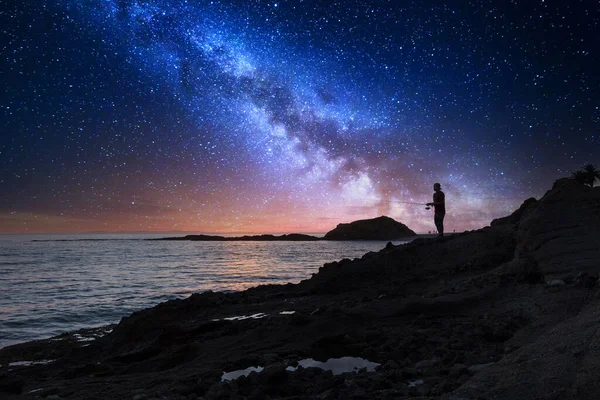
[(292, 237), (381, 228)]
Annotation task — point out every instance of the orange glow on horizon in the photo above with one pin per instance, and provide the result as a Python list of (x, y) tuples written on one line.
[(22, 223)]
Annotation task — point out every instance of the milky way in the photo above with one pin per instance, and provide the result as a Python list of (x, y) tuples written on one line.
[(289, 116)]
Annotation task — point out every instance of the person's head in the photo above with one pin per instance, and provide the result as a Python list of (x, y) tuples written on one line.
[(437, 186)]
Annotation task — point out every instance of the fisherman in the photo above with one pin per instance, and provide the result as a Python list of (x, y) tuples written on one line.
[(439, 205)]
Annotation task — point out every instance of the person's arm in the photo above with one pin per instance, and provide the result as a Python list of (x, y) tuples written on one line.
[(440, 201)]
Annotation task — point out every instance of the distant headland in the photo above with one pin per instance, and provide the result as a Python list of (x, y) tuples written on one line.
[(380, 228), (292, 237)]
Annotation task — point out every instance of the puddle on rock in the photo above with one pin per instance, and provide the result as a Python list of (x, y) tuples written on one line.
[(81, 338), (229, 376), (243, 317), (337, 365), (253, 316), (29, 363)]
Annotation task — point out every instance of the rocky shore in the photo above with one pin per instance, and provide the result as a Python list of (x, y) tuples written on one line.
[(511, 311)]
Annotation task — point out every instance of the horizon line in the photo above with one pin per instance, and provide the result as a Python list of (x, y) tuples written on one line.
[(182, 232)]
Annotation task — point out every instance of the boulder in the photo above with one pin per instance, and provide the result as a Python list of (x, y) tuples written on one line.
[(381, 228), (561, 232), (516, 216)]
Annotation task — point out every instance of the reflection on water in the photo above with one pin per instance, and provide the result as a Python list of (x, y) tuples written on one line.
[(229, 376), (50, 287), (243, 317), (29, 363), (337, 365)]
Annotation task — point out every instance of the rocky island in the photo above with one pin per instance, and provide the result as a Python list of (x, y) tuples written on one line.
[(510, 311), (381, 228)]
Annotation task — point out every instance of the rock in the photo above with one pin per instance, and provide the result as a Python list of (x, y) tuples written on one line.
[(410, 373), (516, 216), (522, 358), (524, 270), (586, 280), (457, 370), (556, 282), (257, 394), (381, 228), (391, 365), (329, 394), (11, 385), (473, 369), (273, 374), (427, 364), (560, 231)]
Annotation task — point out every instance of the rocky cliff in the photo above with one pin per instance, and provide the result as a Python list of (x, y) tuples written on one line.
[(505, 312)]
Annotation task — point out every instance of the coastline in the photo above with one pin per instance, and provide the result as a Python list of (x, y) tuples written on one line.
[(491, 313), (48, 298)]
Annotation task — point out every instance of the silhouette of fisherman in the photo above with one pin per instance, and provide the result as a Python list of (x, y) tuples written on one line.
[(439, 205)]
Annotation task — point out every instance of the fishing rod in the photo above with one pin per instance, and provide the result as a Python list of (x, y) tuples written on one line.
[(408, 202)]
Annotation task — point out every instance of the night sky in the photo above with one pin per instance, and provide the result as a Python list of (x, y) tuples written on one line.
[(289, 116)]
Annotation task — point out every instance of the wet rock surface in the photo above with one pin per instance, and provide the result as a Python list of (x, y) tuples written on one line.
[(468, 316)]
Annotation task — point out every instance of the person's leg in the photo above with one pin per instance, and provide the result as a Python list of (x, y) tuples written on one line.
[(439, 223)]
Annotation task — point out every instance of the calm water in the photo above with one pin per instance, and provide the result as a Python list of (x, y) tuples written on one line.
[(64, 283)]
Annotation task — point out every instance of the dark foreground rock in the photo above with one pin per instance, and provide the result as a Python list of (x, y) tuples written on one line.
[(506, 312), (380, 228)]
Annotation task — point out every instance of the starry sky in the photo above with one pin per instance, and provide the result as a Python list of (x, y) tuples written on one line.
[(289, 116)]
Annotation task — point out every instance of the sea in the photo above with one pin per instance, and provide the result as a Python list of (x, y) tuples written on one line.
[(50, 284)]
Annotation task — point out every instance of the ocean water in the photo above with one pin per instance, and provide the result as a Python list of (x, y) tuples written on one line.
[(51, 284)]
